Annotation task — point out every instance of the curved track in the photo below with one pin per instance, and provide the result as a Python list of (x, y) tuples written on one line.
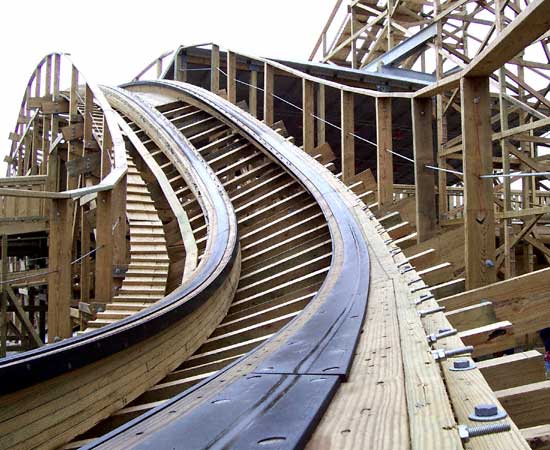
[(140, 349), (301, 245), (289, 333)]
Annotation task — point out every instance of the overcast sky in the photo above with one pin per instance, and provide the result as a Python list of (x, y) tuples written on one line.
[(111, 41)]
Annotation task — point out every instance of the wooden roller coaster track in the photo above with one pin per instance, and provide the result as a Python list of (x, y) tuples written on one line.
[(347, 272)]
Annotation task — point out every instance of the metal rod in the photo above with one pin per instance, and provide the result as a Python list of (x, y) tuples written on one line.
[(517, 174)]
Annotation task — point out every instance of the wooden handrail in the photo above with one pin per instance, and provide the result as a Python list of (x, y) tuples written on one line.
[(305, 76), (108, 183), (152, 63)]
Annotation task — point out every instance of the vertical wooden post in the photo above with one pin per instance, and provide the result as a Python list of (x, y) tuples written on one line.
[(75, 148), (60, 280), (180, 71), (45, 121), (38, 81), (88, 117), (507, 230), (479, 219), (528, 184), (443, 206), (36, 142), (106, 151), (389, 12), (269, 86), (55, 93), (85, 263), (354, 24), (231, 77), (426, 212), (215, 69), (253, 93), (159, 67), (4, 298), (348, 141), (321, 114), (73, 96), (119, 223), (384, 157), (308, 121), (104, 253)]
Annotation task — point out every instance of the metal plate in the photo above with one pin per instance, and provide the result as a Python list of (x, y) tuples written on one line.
[(258, 411)]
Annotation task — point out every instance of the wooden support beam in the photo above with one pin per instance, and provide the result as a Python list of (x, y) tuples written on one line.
[(521, 300), (104, 245), (180, 67), (479, 220), (158, 66), (492, 338), (465, 389), (73, 98), (106, 150), (231, 77), (472, 316), (348, 141), (88, 117), (538, 437), (527, 404), (384, 157), (513, 370), (269, 86), (308, 121), (321, 114), (533, 22), (119, 227), (22, 316), (85, 262), (4, 298), (60, 280), (426, 213), (253, 93), (214, 69)]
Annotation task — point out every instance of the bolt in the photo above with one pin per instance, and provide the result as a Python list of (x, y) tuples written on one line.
[(489, 263), (423, 298), (460, 351), (461, 364), (406, 269), (427, 312), (421, 288), (487, 412), (443, 333), (441, 354), (466, 432)]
